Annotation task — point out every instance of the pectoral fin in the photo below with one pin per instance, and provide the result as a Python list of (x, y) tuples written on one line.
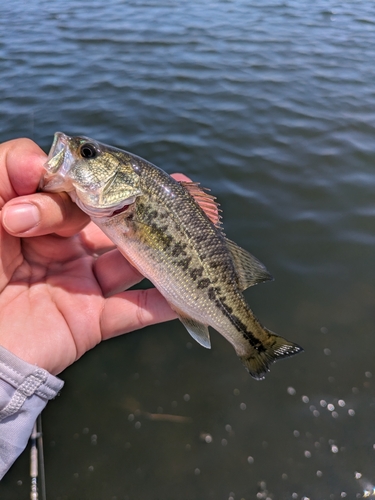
[(197, 330), (250, 271)]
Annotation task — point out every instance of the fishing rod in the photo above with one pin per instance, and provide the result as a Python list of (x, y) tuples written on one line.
[(37, 470), (36, 439)]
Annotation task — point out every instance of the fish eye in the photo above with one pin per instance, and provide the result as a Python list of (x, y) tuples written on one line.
[(88, 151)]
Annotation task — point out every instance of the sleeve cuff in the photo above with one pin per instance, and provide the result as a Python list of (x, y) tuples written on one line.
[(27, 379)]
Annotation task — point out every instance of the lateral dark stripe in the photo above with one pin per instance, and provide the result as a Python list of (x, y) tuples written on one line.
[(240, 326)]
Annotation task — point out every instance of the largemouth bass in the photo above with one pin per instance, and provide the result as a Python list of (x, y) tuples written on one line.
[(169, 231)]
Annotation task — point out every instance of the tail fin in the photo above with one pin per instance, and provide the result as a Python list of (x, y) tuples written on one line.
[(275, 348)]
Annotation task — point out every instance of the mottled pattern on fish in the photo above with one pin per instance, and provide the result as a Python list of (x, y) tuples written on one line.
[(191, 250), (171, 240)]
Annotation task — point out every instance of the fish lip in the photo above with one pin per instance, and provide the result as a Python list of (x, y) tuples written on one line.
[(58, 164), (59, 142), (57, 152)]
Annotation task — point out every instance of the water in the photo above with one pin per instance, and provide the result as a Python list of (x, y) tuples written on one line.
[(270, 104)]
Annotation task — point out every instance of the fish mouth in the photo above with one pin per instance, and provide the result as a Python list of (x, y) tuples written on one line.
[(57, 151), (57, 178), (58, 164)]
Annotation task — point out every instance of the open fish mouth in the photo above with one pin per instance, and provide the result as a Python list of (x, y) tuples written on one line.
[(58, 164), (57, 152), (59, 177)]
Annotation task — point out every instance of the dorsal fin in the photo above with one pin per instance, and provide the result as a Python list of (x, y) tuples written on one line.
[(205, 201), (250, 271)]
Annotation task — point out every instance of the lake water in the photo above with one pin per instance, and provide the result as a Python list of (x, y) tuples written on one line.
[(272, 105)]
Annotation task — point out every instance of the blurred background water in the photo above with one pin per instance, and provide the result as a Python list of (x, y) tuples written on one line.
[(272, 105)]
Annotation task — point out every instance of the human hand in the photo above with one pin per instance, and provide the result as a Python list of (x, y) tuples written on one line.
[(61, 278)]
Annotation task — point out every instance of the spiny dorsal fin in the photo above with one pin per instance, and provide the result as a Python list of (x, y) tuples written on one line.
[(250, 271), (205, 201), (197, 330)]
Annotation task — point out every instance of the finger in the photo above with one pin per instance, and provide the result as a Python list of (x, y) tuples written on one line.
[(133, 310), (93, 238), (23, 161), (114, 273), (43, 213)]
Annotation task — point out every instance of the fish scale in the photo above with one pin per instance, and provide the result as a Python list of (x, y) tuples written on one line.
[(170, 232)]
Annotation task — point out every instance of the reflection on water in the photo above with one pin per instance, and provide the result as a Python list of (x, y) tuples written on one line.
[(272, 107)]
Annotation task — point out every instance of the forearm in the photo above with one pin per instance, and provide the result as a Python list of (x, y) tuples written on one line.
[(24, 392)]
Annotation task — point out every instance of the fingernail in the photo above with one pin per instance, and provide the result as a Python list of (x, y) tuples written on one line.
[(21, 218)]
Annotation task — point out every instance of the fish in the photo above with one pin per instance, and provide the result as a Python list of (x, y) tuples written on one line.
[(171, 233)]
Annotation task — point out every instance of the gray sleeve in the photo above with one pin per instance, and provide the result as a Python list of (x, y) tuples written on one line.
[(24, 392)]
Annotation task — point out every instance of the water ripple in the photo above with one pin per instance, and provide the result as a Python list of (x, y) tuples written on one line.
[(271, 105)]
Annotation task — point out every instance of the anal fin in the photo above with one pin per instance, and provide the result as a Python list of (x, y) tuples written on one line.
[(197, 330)]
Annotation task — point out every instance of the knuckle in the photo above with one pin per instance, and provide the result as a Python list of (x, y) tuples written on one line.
[(143, 316)]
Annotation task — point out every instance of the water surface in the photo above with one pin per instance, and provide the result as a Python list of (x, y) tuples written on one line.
[(271, 105)]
